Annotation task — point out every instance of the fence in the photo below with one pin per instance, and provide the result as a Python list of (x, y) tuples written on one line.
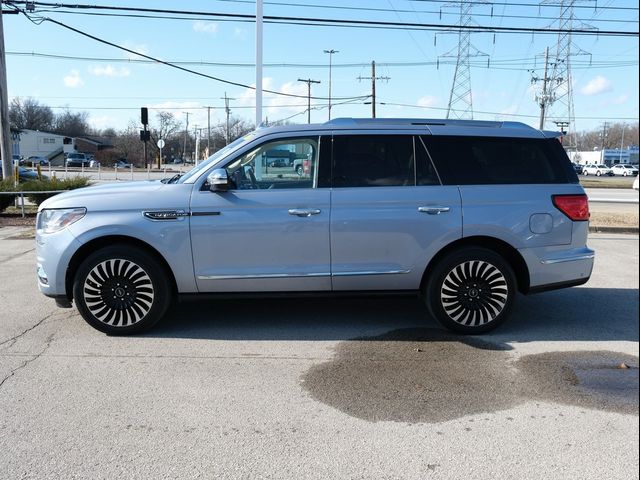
[(23, 193)]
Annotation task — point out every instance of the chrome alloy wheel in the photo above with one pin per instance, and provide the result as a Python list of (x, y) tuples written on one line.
[(118, 292), (474, 293)]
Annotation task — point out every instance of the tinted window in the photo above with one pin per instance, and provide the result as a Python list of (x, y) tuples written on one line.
[(373, 160), (488, 160), (426, 173)]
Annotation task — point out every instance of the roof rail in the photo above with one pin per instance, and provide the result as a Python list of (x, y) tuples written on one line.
[(425, 121)]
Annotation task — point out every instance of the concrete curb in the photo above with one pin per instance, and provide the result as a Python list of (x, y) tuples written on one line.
[(612, 229)]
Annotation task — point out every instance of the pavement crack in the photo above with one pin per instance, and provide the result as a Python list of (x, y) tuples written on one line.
[(18, 255), (11, 341), (47, 344)]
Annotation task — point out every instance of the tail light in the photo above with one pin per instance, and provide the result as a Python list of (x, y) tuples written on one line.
[(576, 207), (306, 166)]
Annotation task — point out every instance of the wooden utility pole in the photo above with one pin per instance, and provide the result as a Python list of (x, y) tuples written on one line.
[(373, 79), (5, 131), (308, 81)]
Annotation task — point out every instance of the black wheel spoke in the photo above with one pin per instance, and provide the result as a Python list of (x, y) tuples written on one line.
[(118, 292), (474, 293)]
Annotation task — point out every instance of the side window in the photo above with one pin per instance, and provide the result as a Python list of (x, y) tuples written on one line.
[(490, 160), (373, 160), (284, 163)]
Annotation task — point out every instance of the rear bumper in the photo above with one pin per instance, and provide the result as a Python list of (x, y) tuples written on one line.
[(551, 269)]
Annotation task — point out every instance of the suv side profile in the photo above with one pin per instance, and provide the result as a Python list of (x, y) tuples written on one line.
[(464, 213)]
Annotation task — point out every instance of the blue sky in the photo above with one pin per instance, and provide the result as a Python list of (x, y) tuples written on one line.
[(112, 90)]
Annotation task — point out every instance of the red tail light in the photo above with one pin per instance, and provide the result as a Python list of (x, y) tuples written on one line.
[(576, 207)]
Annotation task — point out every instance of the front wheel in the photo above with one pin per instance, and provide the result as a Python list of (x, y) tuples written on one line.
[(471, 290), (598, 173), (121, 290)]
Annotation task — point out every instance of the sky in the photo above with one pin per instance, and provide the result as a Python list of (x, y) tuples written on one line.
[(64, 69)]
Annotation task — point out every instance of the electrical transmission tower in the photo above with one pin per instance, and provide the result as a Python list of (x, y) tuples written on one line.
[(460, 99), (560, 87)]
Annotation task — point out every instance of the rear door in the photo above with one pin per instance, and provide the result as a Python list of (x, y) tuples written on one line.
[(390, 213)]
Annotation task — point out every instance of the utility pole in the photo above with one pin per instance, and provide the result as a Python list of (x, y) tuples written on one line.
[(308, 81), (208, 131), (546, 98), (259, 21), (5, 131), (228, 112), (373, 79), (605, 127), (186, 134), (330, 52)]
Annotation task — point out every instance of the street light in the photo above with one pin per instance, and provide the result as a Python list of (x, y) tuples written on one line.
[(330, 52)]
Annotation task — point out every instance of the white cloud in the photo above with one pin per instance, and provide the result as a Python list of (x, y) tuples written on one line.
[(596, 86), (140, 48), (239, 34), (205, 27), (620, 100), (73, 80), (109, 71), (427, 101)]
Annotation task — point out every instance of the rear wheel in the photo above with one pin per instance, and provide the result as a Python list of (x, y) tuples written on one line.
[(121, 290), (598, 173), (471, 290)]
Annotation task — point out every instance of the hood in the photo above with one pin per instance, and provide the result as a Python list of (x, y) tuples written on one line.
[(119, 196)]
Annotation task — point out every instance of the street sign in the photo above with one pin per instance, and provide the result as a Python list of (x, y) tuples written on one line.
[(161, 143)]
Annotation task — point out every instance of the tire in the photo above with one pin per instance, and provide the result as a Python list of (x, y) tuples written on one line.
[(471, 290), (598, 173), (121, 290), (585, 173), (299, 170)]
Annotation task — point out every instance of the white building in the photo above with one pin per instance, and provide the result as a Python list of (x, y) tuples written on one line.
[(608, 156), (44, 144)]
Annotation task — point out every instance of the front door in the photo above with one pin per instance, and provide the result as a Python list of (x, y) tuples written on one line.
[(270, 231)]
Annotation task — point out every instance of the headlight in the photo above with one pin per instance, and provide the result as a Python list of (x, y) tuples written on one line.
[(54, 220)]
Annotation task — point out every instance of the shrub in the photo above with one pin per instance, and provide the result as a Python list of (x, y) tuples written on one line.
[(6, 185), (52, 184)]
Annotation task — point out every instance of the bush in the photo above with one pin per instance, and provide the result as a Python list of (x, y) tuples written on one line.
[(6, 185), (52, 184)]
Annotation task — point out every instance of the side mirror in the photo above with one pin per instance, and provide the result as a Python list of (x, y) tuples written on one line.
[(218, 180)]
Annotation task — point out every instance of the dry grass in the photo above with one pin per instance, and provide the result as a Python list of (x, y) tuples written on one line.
[(606, 182), (609, 219)]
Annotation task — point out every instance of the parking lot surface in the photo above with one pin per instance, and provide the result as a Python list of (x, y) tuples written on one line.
[(367, 388)]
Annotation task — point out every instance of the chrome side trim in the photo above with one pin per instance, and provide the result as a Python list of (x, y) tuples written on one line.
[(300, 275), (266, 275), (577, 258), (369, 272)]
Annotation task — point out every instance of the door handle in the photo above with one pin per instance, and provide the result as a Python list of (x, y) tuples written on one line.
[(304, 212), (434, 210)]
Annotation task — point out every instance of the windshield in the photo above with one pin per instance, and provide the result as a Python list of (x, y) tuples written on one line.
[(213, 159)]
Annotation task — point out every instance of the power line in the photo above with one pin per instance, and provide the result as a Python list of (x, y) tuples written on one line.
[(163, 62), (311, 21)]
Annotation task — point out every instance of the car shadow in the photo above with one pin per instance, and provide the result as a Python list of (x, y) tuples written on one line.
[(576, 314)]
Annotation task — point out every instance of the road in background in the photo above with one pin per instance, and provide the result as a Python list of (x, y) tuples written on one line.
[(324, 388)]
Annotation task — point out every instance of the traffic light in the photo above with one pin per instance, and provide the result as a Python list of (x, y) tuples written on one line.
[(144, 115), (145, 135)]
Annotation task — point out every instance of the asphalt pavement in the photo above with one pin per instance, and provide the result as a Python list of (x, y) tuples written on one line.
[(323, 389)]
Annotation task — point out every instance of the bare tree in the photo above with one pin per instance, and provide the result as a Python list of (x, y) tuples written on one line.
[(72, 124), (30, 114)]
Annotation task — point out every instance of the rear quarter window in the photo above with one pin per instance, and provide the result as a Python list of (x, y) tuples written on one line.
[(490, 161)]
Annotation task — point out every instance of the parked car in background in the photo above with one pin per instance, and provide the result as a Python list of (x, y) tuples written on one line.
[(635, 184), (577, 168), (24, 174), (77, 160), (596, 169), (624, 170), (122, 163), (177, 161), (36, 160), (94, 163)]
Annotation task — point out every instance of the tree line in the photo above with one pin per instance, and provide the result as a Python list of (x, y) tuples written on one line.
[(30, 114)]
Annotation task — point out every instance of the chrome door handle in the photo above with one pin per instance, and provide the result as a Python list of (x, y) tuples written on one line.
[(304, 212), (434, 210)]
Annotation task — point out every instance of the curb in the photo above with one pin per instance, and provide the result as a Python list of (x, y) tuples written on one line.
[(612, 229)]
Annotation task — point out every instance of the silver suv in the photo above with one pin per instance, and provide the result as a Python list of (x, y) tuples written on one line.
[(464, 213)]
